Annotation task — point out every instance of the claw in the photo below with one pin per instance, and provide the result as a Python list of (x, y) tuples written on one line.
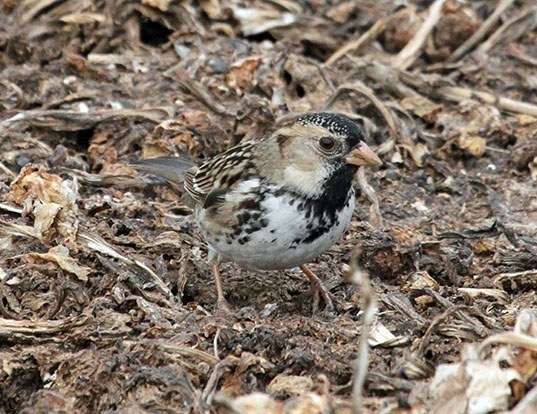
[(319, 290)]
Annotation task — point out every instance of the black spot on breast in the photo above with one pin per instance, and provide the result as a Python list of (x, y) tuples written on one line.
[(273, 240), (244, 240), (244, 217), (252, 229), (249, 204), (315, 233), (273, 231)]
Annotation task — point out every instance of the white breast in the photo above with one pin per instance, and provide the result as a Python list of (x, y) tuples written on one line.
[(279, 244)]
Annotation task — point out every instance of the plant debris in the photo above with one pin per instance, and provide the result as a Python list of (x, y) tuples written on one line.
[(106, 297)]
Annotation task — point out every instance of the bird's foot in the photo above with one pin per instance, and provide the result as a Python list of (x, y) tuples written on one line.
[(319, 291)]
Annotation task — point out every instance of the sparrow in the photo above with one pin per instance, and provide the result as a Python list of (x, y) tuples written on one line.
[(278, 202)]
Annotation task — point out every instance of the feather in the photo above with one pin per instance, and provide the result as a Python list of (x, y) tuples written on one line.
[(171, 168)]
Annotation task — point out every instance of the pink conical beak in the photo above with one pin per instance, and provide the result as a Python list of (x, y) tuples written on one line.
[(362, 155)]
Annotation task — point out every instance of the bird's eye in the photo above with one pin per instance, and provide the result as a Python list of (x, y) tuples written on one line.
[(327, 143)]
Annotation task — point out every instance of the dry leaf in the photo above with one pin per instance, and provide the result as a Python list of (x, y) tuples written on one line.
[(473, 144), (255, 21), (255, 403), (289, 385), (422, 280), (422, 107), (497, 294), (162, 5), (60, 256), (381, 336), (471, 386), (417, 152), (50, 198), (212, 8), (309, 403), (241, 76), (44, 215)]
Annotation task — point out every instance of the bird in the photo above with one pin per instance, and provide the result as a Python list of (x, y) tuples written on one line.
[(277, 202)]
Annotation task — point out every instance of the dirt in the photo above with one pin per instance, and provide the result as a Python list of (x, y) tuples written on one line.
[(106, 297)]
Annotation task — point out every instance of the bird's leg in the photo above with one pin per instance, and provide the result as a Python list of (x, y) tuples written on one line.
[(318, 290), (221, 302)]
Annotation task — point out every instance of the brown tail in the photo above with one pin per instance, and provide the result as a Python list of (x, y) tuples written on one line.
[(171, 168)]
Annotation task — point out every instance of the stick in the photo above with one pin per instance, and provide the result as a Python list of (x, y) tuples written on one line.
[(458, 94), (480, 33), (411, 51), (516, 51), (497, 36), (369, 304), (355, 44), (435, 88), (375, 216), (362, 89)]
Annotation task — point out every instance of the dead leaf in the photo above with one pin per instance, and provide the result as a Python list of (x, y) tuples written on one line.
[(241, 76), (473, 144), (289, 385), (44, 215), (422, 107), (472, 386), (422, 280), (51, 199), (212, 8), (60, 256), (162, 5), (254, 21)]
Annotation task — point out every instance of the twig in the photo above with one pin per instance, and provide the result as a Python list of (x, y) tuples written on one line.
[(60, 120), (510, 338), (96, 243), (458, 94), (362, 89), (526, 274), (375, 215), (7, 170), (480, 33), (516, 51), (411, 51), (498, 35), (436, 87), (355, 44), (39, 327), (369, 304), (436, 321), (212, 383), (198, 91)]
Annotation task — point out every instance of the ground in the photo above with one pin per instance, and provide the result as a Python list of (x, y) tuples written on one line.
[(106, 297)]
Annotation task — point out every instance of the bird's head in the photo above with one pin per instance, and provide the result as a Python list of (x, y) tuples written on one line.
[(319, 152)]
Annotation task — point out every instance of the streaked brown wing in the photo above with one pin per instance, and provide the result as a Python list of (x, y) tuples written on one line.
[(220, 172)]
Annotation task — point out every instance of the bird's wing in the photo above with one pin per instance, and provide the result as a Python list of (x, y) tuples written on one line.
[(220, 173)]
